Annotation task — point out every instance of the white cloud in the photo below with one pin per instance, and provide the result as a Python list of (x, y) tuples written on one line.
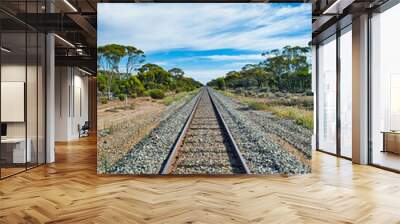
[(161, 63), (205, 75), (238, 64), (240, 57), (156, 27)]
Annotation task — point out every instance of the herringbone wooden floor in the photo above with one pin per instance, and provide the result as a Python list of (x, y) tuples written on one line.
[(69, 191)]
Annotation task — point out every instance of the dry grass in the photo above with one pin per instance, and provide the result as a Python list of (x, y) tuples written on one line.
[(300, 116), (290, 108), (123, 124), (173, 98), (254, 105), (176, 97), (117, 111)]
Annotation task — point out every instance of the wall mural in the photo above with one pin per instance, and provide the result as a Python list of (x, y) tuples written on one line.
[(204, 88)]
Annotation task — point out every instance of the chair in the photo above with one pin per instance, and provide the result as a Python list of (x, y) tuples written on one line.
[(84, 130)]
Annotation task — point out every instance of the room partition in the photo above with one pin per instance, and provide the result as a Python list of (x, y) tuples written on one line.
[(22, 77)]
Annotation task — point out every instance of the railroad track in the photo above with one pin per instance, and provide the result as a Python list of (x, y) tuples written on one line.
[(205, 144)]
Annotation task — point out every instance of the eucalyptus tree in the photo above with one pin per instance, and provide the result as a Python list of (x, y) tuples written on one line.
[(154, 76), (134, 58), (290, 67), (177, 72), (286, 69), (110, 56)]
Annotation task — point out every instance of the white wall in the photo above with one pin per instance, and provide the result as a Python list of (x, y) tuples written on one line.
[(13, 72), (70, 83), (62, 82), (80, 94)]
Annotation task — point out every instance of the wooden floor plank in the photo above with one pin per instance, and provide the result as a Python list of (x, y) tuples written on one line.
[(70, 191)]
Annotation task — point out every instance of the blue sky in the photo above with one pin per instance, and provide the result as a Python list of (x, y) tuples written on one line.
[(205, 40)]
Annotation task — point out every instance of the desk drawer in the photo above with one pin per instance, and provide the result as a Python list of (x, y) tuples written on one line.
[(392, 142), (15, 152)]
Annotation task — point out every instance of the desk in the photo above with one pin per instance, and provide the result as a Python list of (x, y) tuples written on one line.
[(15, 148), (391, 141)]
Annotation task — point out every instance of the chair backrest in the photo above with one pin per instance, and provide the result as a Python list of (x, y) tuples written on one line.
[(86, 125)]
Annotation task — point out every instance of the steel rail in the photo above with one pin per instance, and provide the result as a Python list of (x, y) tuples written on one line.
[(170, 164), (236, 150), (173, 155)]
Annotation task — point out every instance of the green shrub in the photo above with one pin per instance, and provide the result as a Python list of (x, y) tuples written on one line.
[(124, 107), (253, 105), (228, 94), (248, 93), (168, 100), (103, 100), (263, 95), (122, 96), (306, 102), (238, 92), (112, 110), (156, 94), (309, 93), (131, 106)]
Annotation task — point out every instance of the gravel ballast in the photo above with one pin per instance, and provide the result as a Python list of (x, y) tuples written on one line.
[(206, 148), (252, 134), (252, 130), (148, 155), (288, 130)]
